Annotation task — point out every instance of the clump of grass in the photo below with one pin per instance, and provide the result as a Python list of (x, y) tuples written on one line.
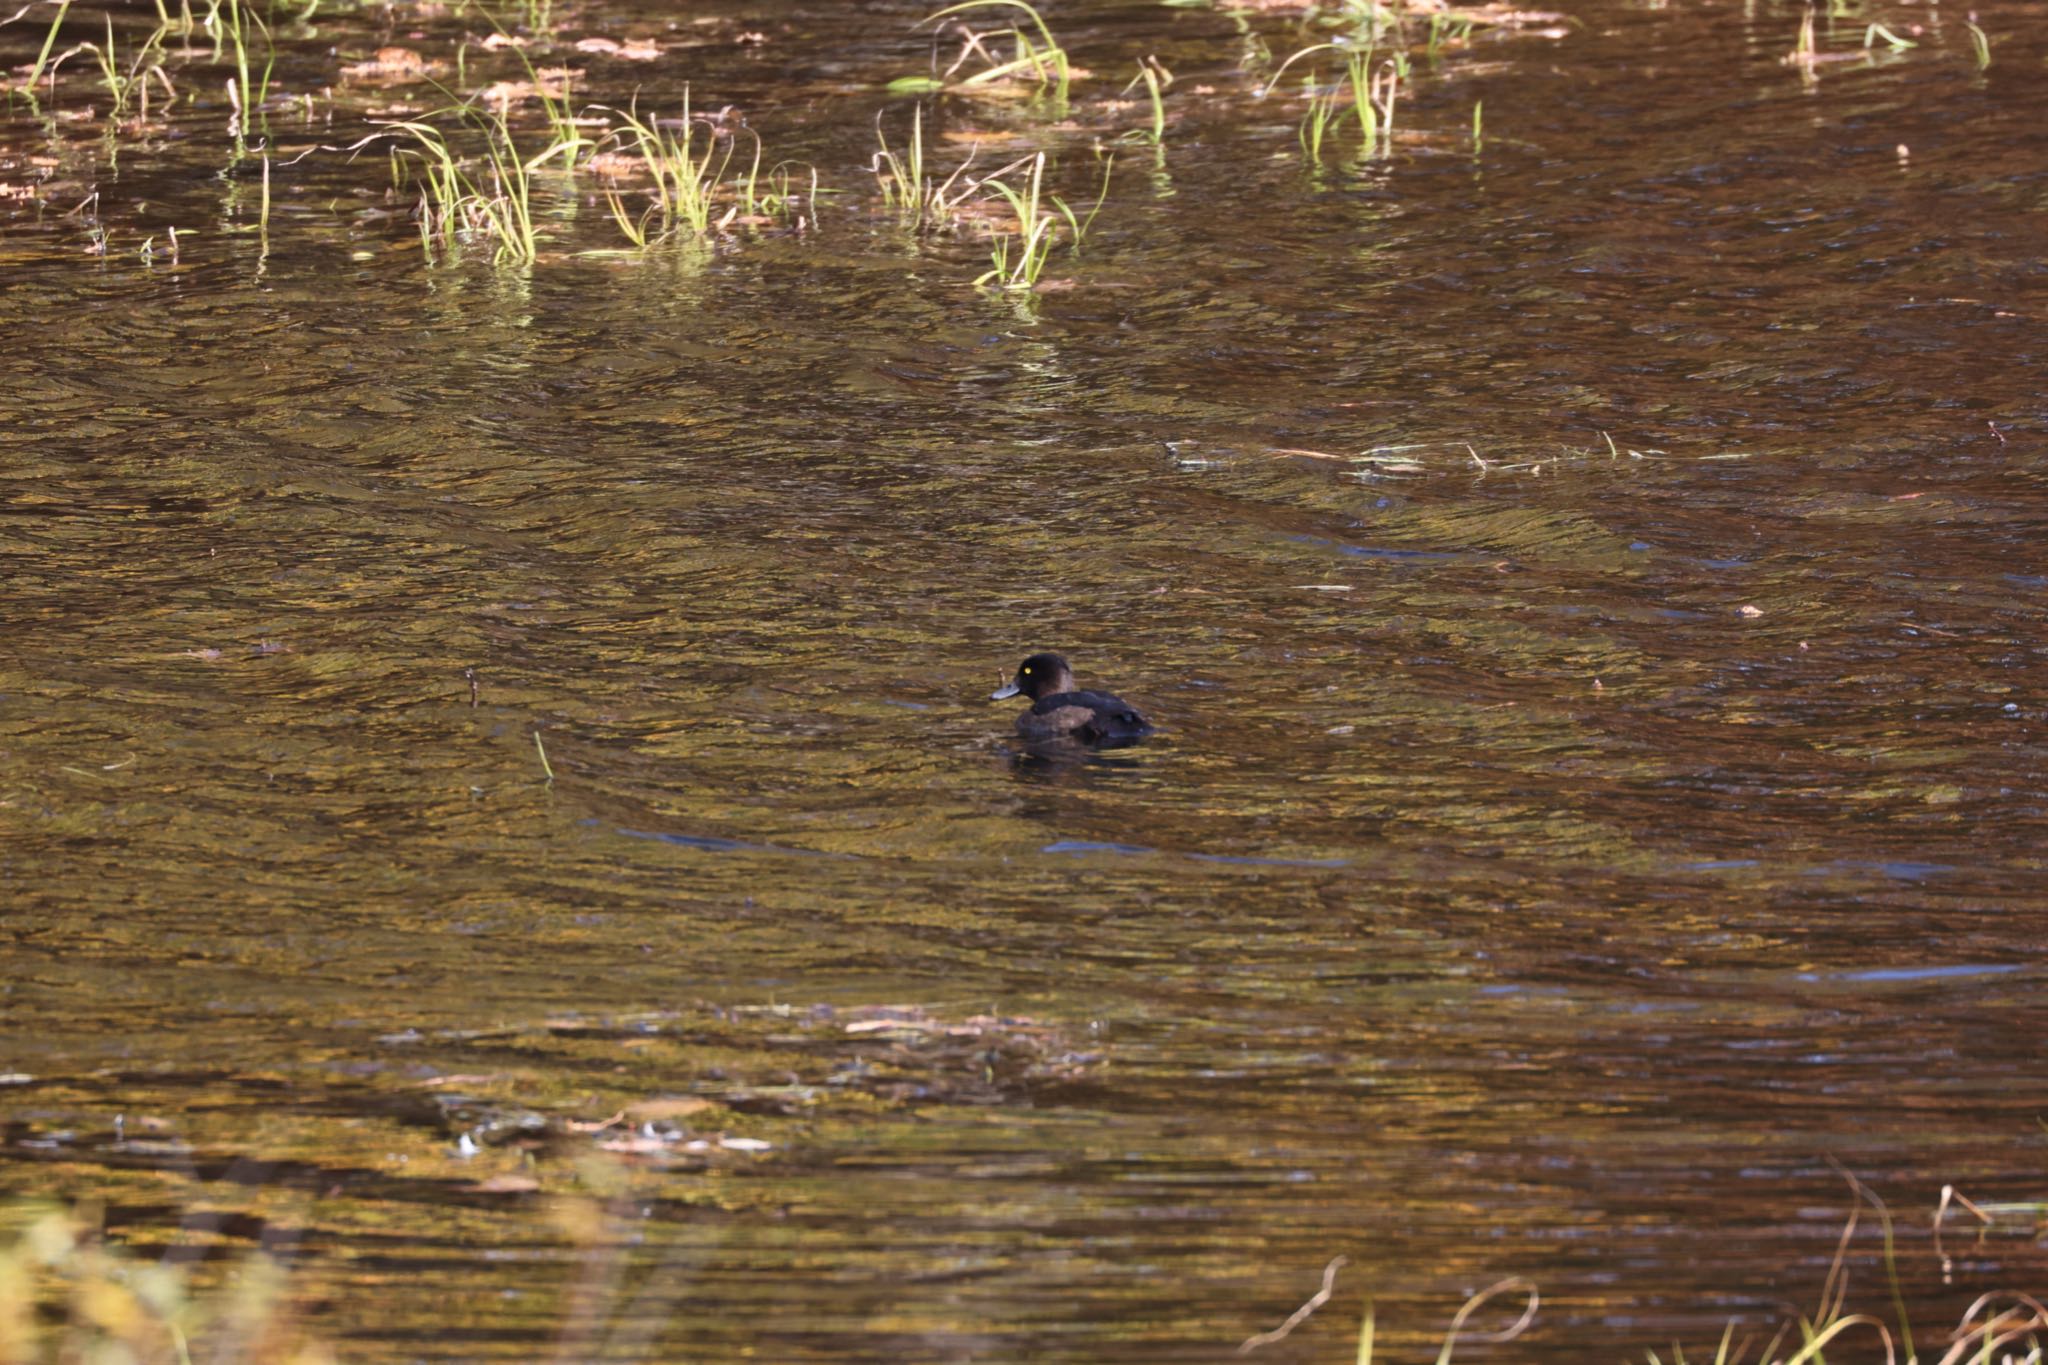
[(1456, 1333), (1374, 93), (538, 16), (182, 26), (551, 88), (1369, 20), (2014, 1334), (1980, 42), (124, 83), (1358, 75), (1018, 259), (66, 1294), (1804, 49), (686, 174), (690, 166), (765, 196), (1036, 56), (35, 71), (905, 190), (134, 81), (492, 207), (1446, 27), (232, 24), (918, 201), (1316, 120), (2008, 1328), (1154, 76), (775, 195)]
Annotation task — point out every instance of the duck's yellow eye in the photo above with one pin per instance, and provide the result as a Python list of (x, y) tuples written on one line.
[(1027, 672)]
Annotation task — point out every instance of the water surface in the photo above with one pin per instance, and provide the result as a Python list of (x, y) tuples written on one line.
[(1555, 852)]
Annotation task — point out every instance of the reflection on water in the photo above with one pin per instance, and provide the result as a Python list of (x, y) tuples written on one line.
[(1552, 854)]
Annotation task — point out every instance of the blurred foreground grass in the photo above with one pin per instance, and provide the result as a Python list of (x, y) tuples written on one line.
[(67, 1295)]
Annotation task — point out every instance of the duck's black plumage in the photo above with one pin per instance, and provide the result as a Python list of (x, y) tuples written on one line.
[(1059, 711)]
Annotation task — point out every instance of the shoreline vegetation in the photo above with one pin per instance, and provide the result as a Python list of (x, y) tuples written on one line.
[(520, 135), (69, 1292)]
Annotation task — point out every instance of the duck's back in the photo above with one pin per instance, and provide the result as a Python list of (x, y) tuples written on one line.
[(1095, 718)]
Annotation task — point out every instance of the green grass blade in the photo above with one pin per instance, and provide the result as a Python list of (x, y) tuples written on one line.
[(49, 41)]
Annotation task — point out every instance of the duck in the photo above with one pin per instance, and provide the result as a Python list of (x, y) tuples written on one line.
[(1060, 712)]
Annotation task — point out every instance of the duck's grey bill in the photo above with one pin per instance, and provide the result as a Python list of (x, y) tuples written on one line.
[(1005, 692)]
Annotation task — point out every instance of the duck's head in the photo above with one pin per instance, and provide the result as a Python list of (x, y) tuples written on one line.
[(1041, 675)]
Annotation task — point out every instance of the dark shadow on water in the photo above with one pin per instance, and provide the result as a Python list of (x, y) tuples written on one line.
[(1063, 760), (705, 843), (1087, 846)]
